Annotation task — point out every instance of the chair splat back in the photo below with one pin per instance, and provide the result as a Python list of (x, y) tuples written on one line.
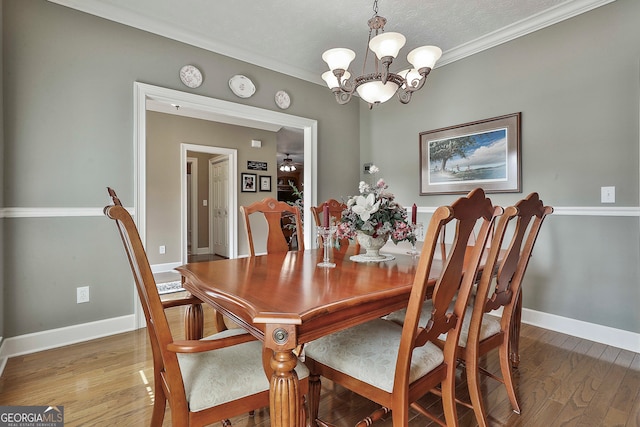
[(274, 211), (531, 213), (335, 214), (458, 269)]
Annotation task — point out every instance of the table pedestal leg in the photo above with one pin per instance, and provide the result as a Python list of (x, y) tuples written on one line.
[(284, 396)]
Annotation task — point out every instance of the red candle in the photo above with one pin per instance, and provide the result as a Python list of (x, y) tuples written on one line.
[(325, 214), (414, 213)]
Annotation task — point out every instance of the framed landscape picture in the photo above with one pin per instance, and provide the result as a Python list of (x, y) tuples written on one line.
[(483, 154)]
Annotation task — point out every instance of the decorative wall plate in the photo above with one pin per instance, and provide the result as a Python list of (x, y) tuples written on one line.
[(282, 99), (191, 76), (242, 86)]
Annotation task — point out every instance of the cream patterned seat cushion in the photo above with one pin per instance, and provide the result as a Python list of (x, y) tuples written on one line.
[(490, 324), (369, 352), (218, 376)]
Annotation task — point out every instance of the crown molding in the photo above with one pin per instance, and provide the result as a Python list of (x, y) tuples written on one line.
[(165, 29), (518, 29)]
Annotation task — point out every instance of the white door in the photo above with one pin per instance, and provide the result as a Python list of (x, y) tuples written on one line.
[(219, 179)]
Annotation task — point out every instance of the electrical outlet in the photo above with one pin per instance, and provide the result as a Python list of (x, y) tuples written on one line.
[(82, 294), (163, 249)]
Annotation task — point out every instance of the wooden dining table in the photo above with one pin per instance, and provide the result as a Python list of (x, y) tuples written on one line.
[(286, 300)]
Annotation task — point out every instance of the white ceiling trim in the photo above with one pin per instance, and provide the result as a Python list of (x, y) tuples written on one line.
[(503, 35), (519, 29)]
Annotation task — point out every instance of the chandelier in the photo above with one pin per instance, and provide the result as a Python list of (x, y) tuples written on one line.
[(287, 164), (381, 84)]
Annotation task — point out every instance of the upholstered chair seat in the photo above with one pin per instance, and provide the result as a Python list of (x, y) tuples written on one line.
[(369, 352), (216, 377)]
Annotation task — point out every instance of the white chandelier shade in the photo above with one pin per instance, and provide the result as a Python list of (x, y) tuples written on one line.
[(424, 56), (387, 44), (338, 58), (376, 91)]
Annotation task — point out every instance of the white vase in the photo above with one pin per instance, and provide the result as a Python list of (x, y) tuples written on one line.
[(372, 245)]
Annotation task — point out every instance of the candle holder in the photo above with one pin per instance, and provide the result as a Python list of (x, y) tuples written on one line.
[(327, 233), (417, 231)]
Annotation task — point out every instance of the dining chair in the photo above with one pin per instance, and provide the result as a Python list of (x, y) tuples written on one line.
[(500, 286), (204, 381), (486, 332), (335, 213), (275, 212), (395, 365)]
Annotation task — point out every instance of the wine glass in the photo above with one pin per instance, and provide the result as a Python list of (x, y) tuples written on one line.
[(417, 231)]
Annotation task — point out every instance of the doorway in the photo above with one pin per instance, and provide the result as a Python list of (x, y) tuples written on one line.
[(224, 111), (221, 196)]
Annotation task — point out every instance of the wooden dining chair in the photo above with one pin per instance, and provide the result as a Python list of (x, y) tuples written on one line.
[(486, 332), (395, 365), (335, 214), (275, 212), (204, 381), (507, 259)]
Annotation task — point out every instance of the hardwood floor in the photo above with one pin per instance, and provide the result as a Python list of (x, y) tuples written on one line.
[(563, 381)]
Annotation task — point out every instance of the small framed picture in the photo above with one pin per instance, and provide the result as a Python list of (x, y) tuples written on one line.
[(249, 183), (265, 182)]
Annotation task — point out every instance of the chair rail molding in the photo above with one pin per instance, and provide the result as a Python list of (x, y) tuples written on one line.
[(44, 212)]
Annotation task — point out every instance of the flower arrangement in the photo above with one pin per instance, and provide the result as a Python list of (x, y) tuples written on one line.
[(375, 212)]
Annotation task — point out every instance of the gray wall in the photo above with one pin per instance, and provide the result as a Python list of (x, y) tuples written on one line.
[(68, 114), (577, 86)]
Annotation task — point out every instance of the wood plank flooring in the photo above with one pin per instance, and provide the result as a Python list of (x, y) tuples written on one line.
[(562, 380)]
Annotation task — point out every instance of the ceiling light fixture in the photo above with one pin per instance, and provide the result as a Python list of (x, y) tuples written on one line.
[(380, 85), (287, 165)]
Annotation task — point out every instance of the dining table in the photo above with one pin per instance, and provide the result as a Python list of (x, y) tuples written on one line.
[(286, 300)]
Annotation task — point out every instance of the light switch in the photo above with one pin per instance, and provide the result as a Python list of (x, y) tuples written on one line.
[(607, 194), (204, 202)]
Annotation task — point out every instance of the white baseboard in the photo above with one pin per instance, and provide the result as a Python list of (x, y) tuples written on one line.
[(163, 268), (45, 340), (589, 331)]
